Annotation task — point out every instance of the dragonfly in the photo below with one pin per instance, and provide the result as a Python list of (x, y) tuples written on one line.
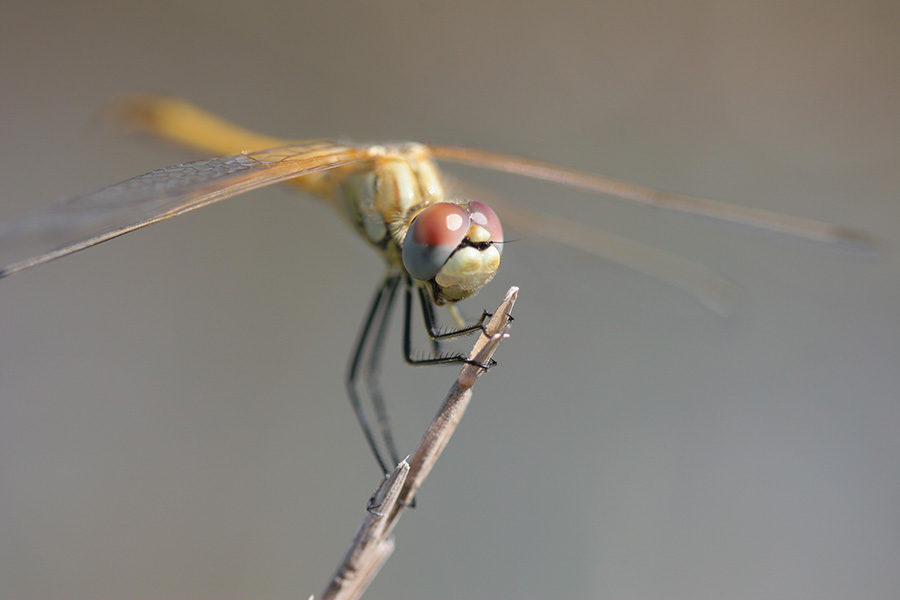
[(440, 242)]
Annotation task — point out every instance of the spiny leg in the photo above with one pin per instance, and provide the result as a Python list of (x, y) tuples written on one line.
[(437, 346), (434, 333), (431, 322), (379, 307), (372, 374)]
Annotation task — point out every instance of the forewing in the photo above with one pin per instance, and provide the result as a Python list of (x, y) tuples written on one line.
[(84, 221), (708, 287), (794, 227)]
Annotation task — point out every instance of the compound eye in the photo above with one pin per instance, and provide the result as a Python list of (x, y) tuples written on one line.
[(483, 215), (433, 236)]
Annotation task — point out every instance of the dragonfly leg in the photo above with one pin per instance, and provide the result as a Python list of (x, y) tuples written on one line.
[(431, 323), (434, 332), (376, 316), (373, 371)]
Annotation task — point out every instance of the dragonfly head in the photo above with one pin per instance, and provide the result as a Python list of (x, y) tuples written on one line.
[(454, 247)]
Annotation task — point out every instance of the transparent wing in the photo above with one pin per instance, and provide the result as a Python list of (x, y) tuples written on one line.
[(708, 287), (83, 221), (794, 227)]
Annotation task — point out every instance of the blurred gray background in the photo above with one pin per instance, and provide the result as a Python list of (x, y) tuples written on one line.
[(172, 414)]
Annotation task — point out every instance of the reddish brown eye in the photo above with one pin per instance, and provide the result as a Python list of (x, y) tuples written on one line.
[(433, 236), (484, 215)]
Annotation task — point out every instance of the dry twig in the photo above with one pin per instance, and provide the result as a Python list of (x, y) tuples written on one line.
[(373, 543)]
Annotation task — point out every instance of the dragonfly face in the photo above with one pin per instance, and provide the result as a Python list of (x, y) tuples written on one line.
[(456, 248)]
